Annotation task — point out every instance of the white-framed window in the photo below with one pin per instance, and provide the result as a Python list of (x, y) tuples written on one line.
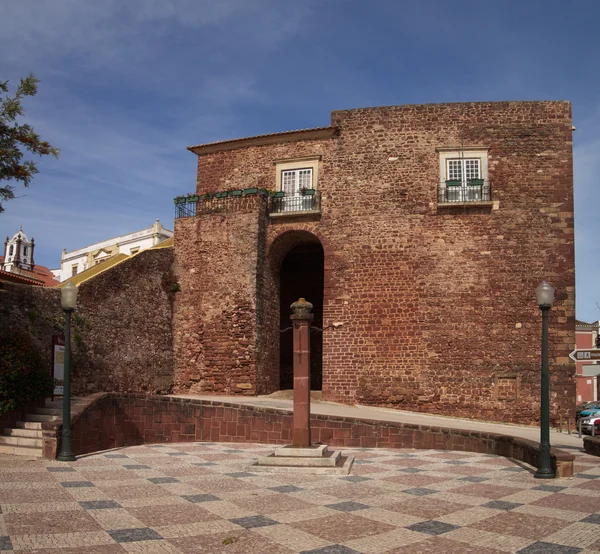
[(295, 174), (74, 269), (463, 174), (134, 250), (463, 169), (294, 180)]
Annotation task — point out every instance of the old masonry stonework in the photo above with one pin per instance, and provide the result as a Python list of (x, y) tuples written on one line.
[(424, 299)]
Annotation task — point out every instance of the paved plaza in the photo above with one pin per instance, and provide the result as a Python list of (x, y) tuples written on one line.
[(200, 498)]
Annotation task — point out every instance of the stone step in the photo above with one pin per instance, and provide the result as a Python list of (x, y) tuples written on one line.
[(329, 459), (41, 417), (28, 425), (310, 452), (342, 467), (31, 433), (20, 441), (47, 411), (20, 450)]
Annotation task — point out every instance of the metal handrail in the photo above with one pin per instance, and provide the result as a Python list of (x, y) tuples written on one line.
[(185, 209), (295, 203), (478, 190), (289, 204)]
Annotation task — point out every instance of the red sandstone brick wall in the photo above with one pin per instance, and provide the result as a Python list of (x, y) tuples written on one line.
[(215, 336), (33, 310), (124, 338), (437, 306), (121, 334)]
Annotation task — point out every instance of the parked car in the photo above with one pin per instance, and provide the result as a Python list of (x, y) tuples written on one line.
[(589, 423), (583, 405), (590, 409)]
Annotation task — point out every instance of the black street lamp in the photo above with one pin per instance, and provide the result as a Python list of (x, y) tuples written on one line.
[(68, 301), (545, 296)]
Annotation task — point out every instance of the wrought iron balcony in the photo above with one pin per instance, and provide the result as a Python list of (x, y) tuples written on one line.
[(296, 204), (224, 201), (308, 202), (474, 190), (185, 209)]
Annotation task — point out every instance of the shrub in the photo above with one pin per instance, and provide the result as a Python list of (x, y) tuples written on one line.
[(24, 375)]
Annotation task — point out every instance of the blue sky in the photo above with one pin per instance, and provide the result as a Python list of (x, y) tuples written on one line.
[(127, 85)]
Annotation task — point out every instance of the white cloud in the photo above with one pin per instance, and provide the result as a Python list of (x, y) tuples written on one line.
[(115, 32), (126, 86)]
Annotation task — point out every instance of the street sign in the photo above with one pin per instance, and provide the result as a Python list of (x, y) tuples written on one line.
[(587, 355), (58, 363)]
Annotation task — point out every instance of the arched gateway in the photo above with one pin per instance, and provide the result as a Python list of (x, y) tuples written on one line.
[(296, 263)]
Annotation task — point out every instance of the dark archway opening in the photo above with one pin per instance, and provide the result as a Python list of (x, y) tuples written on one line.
[(301, 276)]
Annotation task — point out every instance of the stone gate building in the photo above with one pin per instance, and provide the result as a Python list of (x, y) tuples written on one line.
[(418, 232)]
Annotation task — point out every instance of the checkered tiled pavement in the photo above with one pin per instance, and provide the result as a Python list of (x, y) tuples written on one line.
[(200, 497)]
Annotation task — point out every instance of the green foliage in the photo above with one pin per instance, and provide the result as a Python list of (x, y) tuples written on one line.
[(77, 338), (80, 322), (24, 375), (15, 138), (33, 315)]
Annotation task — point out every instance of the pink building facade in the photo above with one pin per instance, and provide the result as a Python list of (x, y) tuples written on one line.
[(587, 382)]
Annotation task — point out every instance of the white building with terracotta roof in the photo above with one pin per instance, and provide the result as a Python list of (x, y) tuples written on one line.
[(74, 262)]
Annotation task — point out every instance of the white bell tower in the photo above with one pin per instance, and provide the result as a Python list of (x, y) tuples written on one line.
[(18, 253)]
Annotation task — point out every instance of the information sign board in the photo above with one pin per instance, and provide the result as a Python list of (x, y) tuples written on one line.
[(58, 363)]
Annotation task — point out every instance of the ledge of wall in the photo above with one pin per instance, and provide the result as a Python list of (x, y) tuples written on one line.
[(592, 445), (110, 420)]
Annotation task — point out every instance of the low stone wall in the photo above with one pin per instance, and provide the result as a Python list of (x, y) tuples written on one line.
[(109, 420), (592, 445)]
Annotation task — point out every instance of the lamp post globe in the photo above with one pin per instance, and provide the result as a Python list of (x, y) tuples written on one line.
[(68, 301), (68, 296), (545, 297), (544, 294)]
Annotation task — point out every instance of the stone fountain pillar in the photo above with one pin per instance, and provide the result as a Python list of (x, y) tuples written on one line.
[(301, 456), (301, 319)]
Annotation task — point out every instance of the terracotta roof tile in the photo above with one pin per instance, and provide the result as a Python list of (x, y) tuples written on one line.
[(17, 278), (230, 143), (42, 273)]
